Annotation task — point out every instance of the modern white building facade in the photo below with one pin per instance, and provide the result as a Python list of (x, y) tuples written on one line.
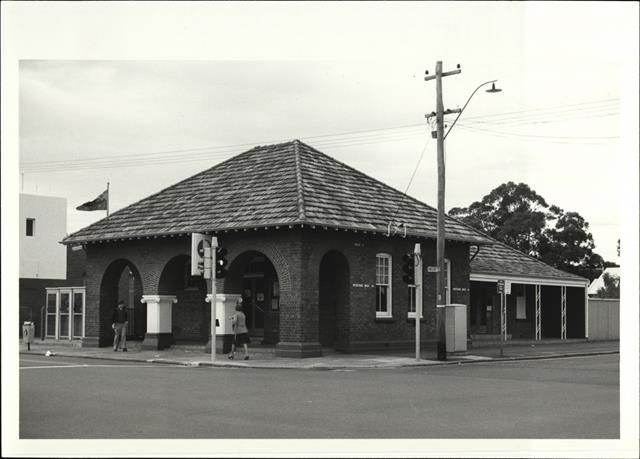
[(43, 224)]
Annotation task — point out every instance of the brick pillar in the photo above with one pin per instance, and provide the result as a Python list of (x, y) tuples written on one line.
[(159, 334)]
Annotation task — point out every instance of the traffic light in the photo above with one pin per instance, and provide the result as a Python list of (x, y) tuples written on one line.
[(221, 262), (409, 268)]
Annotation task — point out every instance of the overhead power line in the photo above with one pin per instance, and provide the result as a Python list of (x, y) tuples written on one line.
[(335, 140)]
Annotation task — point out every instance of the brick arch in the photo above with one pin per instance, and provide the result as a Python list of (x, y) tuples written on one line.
[(274, 256), (171, 275)]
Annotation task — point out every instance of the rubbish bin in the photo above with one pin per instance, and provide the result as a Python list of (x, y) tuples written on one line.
[(28, 333)]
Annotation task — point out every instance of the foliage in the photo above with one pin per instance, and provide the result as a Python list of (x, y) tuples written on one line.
[(512, 213), (611, 287), (518, 216)]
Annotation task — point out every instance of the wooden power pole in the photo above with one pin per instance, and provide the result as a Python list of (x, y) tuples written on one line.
[(440, 283)]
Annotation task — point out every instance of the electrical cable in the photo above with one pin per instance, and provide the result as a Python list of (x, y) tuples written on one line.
[(343, 139)]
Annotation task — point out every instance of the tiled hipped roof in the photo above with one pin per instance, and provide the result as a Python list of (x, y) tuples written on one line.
[(268, 186), (497, 258)]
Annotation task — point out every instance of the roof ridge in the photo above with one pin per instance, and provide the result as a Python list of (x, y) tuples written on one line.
[(379, 182), (299, 187)]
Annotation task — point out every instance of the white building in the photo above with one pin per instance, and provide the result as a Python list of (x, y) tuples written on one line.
[(43, 224)]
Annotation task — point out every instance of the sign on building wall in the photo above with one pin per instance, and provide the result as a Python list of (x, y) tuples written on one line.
[(200, 245)]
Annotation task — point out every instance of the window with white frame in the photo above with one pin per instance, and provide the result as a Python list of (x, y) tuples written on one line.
[(383, 285), (412, 294), (412, 300)]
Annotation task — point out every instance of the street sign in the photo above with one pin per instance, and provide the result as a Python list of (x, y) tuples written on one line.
[(500, 287), (507, 287), (432, 269)]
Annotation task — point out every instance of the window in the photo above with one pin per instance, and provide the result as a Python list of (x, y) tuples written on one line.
[(521, 308), (383, 285), (412, 294), (447, 281), (412, 301), (31, 226)]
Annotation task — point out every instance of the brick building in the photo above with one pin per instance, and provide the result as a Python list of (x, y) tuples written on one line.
[(311, 248)]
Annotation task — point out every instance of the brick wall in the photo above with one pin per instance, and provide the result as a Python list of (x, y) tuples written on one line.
[(296, 255)]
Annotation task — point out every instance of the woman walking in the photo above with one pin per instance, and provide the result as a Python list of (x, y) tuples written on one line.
[(240, 332)]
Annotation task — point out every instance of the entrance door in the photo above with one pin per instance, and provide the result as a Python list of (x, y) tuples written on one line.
[(254, 300), (65, 312)]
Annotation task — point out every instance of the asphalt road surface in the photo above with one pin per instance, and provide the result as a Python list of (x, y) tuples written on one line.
[(71, 398)]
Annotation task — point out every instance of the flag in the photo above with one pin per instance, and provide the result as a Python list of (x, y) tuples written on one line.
[(99, 203)]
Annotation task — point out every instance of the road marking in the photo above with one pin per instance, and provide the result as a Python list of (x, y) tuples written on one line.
[(53, 366), (52, 361), (93, 366)]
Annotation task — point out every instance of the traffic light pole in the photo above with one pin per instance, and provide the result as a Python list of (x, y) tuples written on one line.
[(214, 246), (417, 263)]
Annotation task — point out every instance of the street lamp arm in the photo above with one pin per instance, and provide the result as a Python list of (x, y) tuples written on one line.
[(465, 105)]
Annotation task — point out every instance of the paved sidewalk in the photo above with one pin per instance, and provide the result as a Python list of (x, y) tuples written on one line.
[(265, 358)]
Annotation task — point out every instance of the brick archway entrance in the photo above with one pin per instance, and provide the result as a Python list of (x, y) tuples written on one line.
[(252, 275), (122, 281)]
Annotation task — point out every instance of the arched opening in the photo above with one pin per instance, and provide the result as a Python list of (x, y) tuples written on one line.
[(252, 275), (333, 300), (190, 316), (122, 281)]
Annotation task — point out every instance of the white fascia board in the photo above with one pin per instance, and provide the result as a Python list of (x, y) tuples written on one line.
[(478, 277)]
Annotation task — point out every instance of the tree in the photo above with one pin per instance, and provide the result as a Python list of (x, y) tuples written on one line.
[(512, 213), (521, 218), (611, 287), (569, 246)]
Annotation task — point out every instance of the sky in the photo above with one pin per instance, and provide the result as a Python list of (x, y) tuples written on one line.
[(163, 90), (555, 125)]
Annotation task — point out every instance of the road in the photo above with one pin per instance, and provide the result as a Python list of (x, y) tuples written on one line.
[(71, 398)]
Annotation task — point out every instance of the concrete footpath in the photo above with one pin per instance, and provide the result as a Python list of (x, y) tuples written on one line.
[(264, 357)]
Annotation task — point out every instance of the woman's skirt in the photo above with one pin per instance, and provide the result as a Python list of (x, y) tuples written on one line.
[(242, 338)]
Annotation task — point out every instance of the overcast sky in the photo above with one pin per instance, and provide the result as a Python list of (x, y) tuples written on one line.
[(555, 126)]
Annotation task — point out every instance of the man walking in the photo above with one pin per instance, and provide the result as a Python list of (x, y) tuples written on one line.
[(119, 319)]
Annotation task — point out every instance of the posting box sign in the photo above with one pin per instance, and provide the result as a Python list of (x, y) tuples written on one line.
[(200, 254)]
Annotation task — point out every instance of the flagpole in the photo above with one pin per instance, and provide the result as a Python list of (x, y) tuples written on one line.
[(107, 199)]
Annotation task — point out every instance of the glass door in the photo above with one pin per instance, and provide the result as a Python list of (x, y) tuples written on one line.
[(65, 311), (78, 314), (253, 304), (52, 307)]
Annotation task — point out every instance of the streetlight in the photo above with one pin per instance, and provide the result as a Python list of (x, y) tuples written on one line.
[(440, 300), (492, 90)]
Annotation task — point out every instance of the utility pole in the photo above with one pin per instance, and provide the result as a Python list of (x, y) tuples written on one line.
[(440, 297)]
